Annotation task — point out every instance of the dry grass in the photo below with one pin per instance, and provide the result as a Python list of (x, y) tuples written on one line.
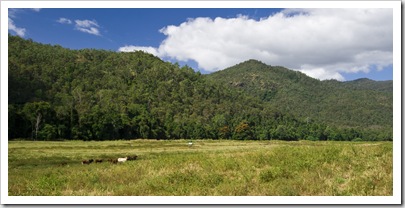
[(168, 168)]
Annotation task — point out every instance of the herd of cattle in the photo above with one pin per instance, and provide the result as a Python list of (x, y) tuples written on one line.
[(114, 161)]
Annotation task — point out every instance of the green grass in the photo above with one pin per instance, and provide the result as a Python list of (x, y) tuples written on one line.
[(209, 167)]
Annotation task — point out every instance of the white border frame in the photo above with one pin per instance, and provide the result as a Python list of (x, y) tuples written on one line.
[(397, 144)]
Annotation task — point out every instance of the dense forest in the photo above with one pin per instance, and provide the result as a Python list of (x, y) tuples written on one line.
[(359, 103), (58, 93)]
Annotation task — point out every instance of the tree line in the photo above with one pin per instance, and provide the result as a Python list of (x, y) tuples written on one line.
[(88, 94)]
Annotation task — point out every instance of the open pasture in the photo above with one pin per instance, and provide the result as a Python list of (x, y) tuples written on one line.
[(208, 167)]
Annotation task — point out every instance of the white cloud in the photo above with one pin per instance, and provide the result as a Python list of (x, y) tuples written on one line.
[(87, 26), (322, 73), (13, 14), (150, 50), (86, 23), (63, 20), (322, 43), (18, 30)]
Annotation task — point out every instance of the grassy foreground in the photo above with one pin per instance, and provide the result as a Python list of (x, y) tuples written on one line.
[(226, 168)]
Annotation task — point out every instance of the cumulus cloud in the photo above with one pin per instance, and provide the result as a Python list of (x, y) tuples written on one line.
[(63, 20), (87, 26), (150, 50), (18, 30), (322, 72), (323, 43)]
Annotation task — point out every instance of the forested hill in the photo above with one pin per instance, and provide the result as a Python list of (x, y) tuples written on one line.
[(57, 93), (368, 84), (361, 102)]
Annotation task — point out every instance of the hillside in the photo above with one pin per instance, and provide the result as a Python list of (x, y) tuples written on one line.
[(57, 93), (363, 102), (368, 84)]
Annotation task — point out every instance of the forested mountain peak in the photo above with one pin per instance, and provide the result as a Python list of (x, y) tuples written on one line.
[(368, 84), (251, 63), (96, 94), (362, 80), (257, 71), (330, 101)]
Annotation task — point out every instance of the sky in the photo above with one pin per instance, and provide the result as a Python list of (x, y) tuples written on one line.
[(341, 44)]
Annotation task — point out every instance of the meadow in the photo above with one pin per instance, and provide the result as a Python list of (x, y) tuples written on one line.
[(207, 168)]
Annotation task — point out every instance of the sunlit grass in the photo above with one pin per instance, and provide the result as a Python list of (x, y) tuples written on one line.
[(209, 167)]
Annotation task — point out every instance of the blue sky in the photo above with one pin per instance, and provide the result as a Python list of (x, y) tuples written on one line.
[(117, 27), (325, 44)]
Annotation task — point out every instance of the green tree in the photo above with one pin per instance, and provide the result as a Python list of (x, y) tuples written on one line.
[(243, 131), (36, 113)]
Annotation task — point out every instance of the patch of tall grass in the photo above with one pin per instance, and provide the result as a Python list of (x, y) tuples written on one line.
[(208, 168)]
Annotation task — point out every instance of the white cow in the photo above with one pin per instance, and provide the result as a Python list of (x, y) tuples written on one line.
[(122, 159)]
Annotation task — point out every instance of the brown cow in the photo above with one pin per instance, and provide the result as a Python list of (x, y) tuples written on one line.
[(87, 162), (114, 161)]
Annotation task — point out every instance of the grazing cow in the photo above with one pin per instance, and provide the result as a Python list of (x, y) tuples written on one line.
[(132, 157), (122, 159), (87, 162), (114, 161), (190, 144), (99, 160)]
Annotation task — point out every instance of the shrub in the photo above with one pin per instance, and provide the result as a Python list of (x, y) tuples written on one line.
[(312, 138), (357, 139), (49, 132)]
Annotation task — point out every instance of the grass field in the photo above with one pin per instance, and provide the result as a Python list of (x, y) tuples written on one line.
[(209, 167)]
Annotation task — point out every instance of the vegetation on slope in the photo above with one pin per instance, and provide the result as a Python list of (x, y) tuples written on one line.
[(361, 103), (100, 95)]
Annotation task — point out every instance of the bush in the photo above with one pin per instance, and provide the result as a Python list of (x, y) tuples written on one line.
[(48, 132), (357, 139), (312, 138)]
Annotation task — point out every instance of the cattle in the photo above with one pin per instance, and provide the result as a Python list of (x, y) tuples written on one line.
[(122, 159), (111, 160), (87, 162), (114, 161), (132, 157)]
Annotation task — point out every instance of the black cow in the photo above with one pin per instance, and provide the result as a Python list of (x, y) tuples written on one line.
[(87, 162), (132, 157)]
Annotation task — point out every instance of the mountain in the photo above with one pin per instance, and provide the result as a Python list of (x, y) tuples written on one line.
[(358, 103), (368, 84), (57, 93), (95, 95)]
